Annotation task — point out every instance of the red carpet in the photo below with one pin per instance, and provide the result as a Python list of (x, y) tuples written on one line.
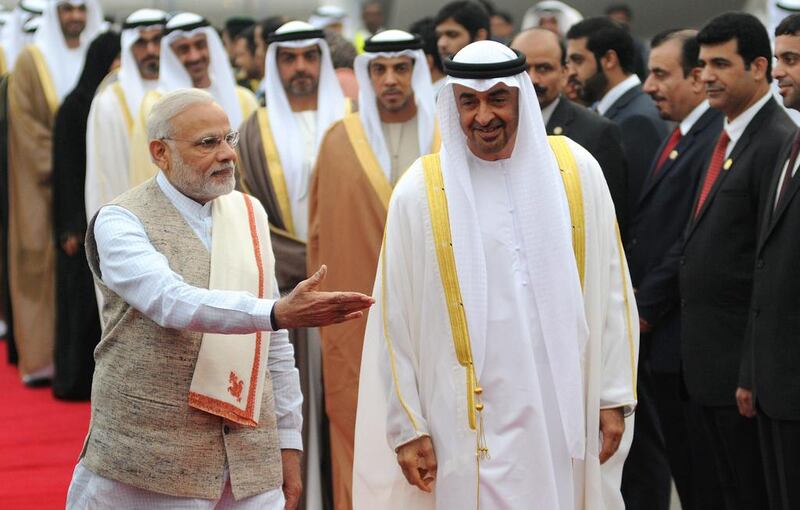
[(39, 444)]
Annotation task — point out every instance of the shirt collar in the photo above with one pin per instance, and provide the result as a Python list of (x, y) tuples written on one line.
[(548, 110), (185, 205), (691, 119), (617, 92), (736, 127)]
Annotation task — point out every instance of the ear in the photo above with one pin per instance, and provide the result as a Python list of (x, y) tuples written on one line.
[(159, 153), (694, 80), (482, 34), (759, 67), (610, 60)]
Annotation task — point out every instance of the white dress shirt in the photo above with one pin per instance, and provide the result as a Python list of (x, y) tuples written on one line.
[(617, 92), (548, 110), (735, 128), (690, 120), (139, 274)]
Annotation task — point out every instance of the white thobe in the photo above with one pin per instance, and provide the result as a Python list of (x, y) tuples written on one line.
[(530, 464), (412, 384), (307, 121), (107, 148)]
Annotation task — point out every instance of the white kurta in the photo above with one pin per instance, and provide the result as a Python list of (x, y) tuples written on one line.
[(412, 384), (107, 149)]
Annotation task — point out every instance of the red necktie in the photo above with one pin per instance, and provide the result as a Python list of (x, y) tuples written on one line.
[(671, 144), (787, 178), (714, 168)]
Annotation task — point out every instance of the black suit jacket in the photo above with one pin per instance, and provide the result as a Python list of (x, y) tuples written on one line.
[(642, 134), (603, 140), (772, 357), (716, 277), (655, 237)]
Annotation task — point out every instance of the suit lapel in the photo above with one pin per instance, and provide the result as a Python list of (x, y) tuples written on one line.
[(622, 102), (741, 145), (683, 146), (561, 118), (771, 217)]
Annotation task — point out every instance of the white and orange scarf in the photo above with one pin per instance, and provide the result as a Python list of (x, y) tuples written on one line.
[(231, 369)]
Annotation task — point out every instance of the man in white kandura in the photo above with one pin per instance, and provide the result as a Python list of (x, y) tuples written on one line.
[(114, 108), (497, 369)]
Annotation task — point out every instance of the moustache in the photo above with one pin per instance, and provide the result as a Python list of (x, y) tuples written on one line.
[(392, 90), (657, 98), (494, 124), (711, 88), (300, 76), (222, 168), (784, 83), (540, 91)]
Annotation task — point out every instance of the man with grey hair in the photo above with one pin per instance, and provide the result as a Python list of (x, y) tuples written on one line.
[(196, 401)]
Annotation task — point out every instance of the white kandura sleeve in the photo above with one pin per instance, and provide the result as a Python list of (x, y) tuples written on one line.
[(132, 268)]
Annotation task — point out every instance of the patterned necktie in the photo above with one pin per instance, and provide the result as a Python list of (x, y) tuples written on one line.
[(787, 178), (714, 169), (671, 144)]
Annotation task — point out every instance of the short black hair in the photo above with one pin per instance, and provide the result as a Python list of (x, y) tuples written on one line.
[(690, 48), (623, 8), (237, 24), (249, 35), (602, 35), (752, 40), (790, 25), (470, 15), (270, 25), (505, 15), (425, 28)]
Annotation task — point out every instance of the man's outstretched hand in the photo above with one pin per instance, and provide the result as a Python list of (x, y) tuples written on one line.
[(307, 307)]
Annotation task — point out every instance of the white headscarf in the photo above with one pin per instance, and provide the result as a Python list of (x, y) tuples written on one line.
[(565, 15), (330, 103), (537, 193), (129, 76), (173, 75), (65, 64), (12, 35), (327, 15), (420, 83)]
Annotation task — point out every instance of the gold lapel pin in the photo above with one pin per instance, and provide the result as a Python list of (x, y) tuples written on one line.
[(558, 130), (673, 155), (728, 164)]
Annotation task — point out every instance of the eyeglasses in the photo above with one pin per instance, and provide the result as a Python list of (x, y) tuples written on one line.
[(209, 144)]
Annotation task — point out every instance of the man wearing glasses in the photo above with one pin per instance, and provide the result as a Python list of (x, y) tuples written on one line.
[(196, 400)]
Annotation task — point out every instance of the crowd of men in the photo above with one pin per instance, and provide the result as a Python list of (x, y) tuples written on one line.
[(578, 245)]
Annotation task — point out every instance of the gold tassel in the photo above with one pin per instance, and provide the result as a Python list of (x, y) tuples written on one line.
[(483, 448)]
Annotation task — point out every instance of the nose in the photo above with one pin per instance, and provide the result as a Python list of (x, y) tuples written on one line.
[(485, 114), (778, 71), (226, 152), (649, 87), (706, 75), (390, 78)]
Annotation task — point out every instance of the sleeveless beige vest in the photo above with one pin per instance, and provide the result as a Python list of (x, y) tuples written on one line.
[(143, 432)]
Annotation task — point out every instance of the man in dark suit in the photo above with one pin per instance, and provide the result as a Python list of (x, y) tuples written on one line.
[(600, 62), (600, 56), (773, 353), (546, 57), (653, 250), (718, 260)]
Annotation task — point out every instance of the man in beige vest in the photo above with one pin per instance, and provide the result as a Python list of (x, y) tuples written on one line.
[(196, 401)]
